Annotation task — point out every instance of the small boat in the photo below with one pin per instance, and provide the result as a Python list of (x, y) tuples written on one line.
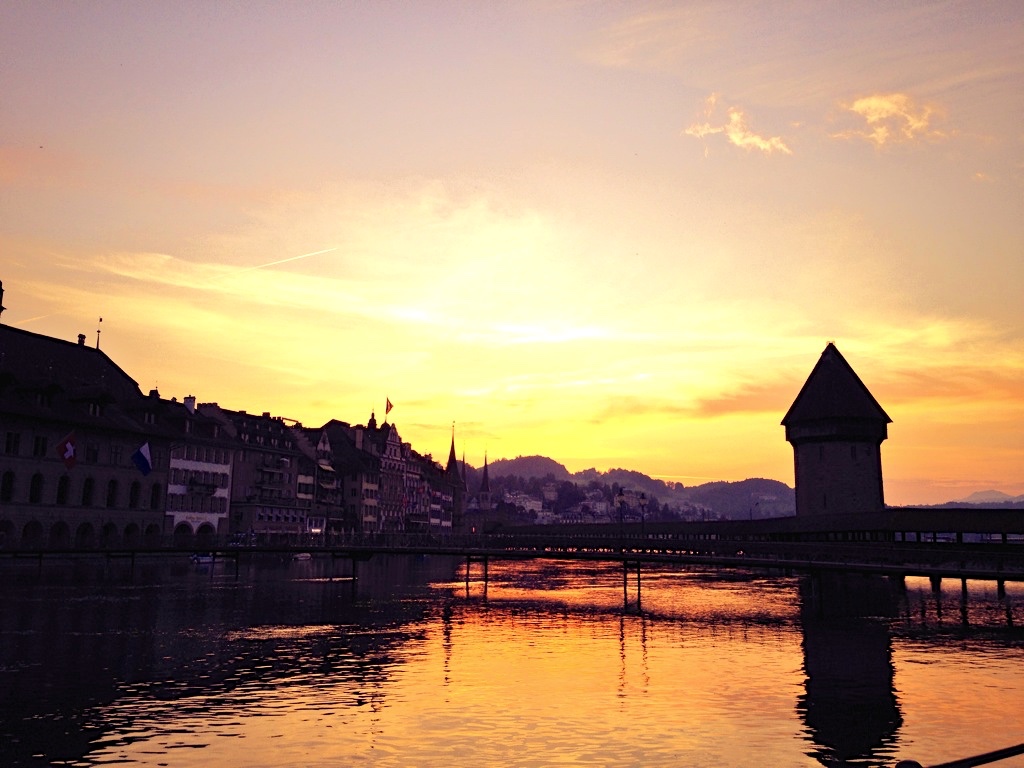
[(202, 558), (302, 556)]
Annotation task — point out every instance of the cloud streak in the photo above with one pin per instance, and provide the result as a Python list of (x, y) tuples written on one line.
[(890, 118), (735, 130)]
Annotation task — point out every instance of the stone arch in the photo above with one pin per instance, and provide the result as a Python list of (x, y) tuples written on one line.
[(32, 534), (152, 535), (85, 536), (206, 535), (183, 535), (132, 535), (60, 535), (109, 536)]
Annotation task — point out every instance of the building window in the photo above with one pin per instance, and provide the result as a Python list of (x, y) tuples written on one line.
[(63, 487), (149, 418), (7, 486), (39, 445), (154, 496), (92, 454), (95, 409), (87, 490), (12, 443), (115, 455), (35, 489), (112, 493)]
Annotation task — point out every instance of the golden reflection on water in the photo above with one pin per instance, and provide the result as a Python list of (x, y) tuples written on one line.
[(545, 667)]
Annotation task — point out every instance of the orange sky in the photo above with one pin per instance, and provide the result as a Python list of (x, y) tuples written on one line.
[(616, 234)]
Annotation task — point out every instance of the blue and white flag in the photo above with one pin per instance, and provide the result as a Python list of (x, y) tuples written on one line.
[(142, 459)]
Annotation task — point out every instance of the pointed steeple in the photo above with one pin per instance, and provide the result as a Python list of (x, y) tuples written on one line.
[(485, 483), (453, 463), (484, 497)]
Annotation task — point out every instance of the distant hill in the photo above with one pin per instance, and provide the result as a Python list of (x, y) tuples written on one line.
[(746, 499), (990, 497), (528, 466), (753, 498)]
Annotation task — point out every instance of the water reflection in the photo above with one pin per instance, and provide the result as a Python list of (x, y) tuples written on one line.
[(850, 705), (285, 664), (76, 637)]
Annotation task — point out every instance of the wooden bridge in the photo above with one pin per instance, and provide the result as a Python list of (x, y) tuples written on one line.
[(963, 544)]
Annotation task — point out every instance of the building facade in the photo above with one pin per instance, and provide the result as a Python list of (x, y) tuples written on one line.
[(71, 422)]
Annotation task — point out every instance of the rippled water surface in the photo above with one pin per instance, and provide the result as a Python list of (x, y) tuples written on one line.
[(293, 664)]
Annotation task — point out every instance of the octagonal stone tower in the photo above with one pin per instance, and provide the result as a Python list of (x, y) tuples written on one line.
[(836, 428)]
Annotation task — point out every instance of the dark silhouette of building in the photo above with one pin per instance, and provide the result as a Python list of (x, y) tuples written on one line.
[(836, 428), (71, 422)]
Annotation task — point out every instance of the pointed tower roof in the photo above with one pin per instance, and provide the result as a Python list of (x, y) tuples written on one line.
[(834, 391), (485, 483), (452, 468)]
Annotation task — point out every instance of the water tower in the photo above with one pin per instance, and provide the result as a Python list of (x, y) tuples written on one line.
[(836, 428)]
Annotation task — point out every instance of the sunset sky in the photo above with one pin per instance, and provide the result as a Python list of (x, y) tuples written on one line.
[(615, 234)]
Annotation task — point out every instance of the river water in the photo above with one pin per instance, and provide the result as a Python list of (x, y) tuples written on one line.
[(283, 664)]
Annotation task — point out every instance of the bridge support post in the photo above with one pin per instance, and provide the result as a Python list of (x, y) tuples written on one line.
[(638, 603)]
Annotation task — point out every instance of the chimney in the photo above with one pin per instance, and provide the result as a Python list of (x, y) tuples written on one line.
[(81, 339), (190, 403)]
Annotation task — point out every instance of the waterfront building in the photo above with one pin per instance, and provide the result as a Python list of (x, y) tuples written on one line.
[(358, 473), (423, 510), (264, 480), (73, 425), (836, 428), (200, 469), (385, 443), (318, 488)]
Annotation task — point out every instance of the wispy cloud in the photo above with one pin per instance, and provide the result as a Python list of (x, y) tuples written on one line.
[(735, 130), (890, 118)]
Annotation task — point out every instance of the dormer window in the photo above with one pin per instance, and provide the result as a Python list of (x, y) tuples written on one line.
[(95, 409), (149, 418)]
